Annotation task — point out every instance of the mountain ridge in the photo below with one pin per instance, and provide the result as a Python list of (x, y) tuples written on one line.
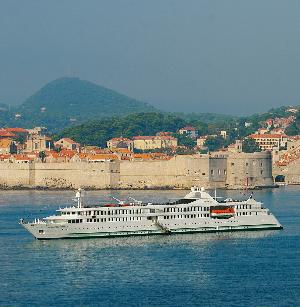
[(68, 100)]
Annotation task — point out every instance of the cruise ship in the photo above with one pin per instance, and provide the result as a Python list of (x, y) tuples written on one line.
[(198, 211)]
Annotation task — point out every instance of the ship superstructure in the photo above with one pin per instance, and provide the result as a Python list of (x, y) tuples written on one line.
[(196, 212)]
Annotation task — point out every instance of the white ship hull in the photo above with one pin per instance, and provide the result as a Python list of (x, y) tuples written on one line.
[(84, 230)]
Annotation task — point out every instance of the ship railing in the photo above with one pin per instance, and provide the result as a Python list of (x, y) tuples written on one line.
[(36, 221)]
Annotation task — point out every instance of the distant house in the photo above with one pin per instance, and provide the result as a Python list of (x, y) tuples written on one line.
[(154, 142), (262, 131), (269, 141), (269, 122), (21, 159), (37, 130), (7, 146), (122, 153), (6, 134), (223, 134), (17, 130), (19, 133), (91, 149), (236, 147), (201, 140), (102, 158), (5, 157), (164, 133), (38, 143), (292, 110), (120, 143), (189, 131), (67, 143)]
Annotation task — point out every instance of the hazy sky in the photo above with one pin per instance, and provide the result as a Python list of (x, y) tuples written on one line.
[(220, 56)]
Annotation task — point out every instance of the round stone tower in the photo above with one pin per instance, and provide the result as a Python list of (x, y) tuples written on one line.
[(249, 170)]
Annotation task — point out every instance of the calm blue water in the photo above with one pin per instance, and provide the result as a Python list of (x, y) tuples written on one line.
[(230, 269)]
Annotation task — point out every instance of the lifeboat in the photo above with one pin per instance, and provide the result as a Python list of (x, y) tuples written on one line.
[(110, 205), (222, 213)]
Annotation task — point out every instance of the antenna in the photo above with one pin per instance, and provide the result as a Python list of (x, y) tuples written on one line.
[(118, 200)]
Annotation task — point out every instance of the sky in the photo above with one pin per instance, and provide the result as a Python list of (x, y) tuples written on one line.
[(234, 57)]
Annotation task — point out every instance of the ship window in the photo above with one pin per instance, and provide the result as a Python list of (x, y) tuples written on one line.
[(41, 231)]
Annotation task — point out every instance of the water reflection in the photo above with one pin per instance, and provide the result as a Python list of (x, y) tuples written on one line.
[(196, 239)]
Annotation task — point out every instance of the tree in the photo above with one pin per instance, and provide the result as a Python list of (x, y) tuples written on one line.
[(42, 155), (214, 143), (184, 140), (292, 129), (249, 145)]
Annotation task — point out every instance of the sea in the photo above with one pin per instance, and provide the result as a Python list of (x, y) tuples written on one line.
[(252, 268)]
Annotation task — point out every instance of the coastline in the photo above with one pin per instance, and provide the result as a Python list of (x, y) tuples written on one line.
[(166, 188)]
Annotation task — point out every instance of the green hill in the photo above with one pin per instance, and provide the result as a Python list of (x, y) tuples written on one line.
[(70, 100), (97, 132)]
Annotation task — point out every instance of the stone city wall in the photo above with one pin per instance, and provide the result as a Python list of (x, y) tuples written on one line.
[(60, 175), (226, 170), (179, 172), (290, 174)]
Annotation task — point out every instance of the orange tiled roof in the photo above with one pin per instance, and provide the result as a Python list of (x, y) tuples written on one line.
[(119, 139), (103, 157), (67, 153), (5, 156), (67, 140), (16, 129), (22, 158), (188, 128), (121, 150), (267, 136), (142, 156), (4, 133)]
